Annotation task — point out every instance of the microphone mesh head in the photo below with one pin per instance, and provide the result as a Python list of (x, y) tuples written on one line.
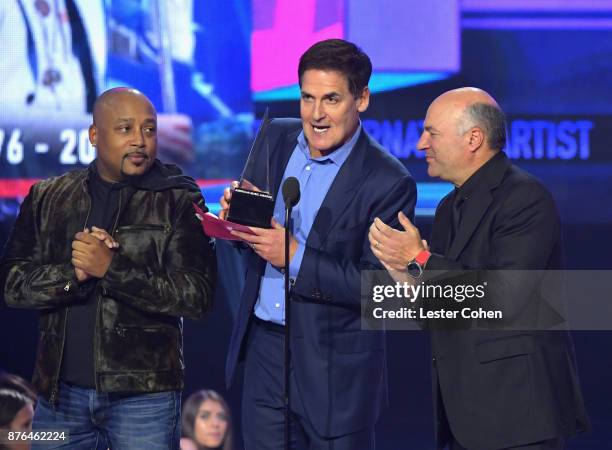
[(291, 191)]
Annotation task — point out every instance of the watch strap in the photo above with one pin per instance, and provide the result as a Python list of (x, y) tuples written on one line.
[(422, 257)]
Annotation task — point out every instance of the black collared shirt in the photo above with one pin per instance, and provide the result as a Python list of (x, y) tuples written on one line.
[(464, 192)]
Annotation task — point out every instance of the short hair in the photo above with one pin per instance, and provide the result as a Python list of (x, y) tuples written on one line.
[(341, 56), (190, 412), (491, 119)]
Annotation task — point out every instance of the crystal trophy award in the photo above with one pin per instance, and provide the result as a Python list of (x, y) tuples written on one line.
[(252, 203)]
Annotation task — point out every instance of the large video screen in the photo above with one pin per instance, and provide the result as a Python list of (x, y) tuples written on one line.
[(57, 56)]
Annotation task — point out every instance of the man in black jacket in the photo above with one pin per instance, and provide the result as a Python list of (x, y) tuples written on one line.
[(517, 388), (113, 257)]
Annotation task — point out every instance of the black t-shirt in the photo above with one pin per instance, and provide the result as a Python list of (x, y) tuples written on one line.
[(78, 357)]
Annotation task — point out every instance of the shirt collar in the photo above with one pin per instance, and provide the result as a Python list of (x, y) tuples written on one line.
[(338, 156), (472, 183)]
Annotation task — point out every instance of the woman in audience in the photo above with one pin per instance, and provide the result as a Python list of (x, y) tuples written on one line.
[(17, 401), (206, 422)]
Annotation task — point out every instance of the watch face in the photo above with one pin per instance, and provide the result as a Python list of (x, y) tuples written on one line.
[(414, 269)]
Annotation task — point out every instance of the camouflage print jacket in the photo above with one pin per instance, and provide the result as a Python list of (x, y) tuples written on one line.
[(163, 270)]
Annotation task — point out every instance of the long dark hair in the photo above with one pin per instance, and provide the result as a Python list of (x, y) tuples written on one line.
[(11, 381), (11, 402), (15, 393), (190, 412)]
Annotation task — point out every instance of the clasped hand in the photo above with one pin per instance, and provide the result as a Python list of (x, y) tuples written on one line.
[(92, 253), (395, 248)]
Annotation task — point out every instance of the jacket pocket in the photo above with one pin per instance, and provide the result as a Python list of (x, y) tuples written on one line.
[(143, 243), (504, 348), (144, 227), (142, 348)]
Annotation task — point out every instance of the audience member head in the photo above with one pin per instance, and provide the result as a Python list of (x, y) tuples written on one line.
[(11, 381), (206, 422), (17, 402)]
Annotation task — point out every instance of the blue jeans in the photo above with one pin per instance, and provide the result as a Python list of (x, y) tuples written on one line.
[(93, 420)]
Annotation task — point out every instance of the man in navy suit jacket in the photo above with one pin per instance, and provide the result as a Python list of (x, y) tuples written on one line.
[(338, 382), (515, 387)]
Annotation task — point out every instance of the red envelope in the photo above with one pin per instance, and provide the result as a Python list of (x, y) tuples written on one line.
[(218, 228)]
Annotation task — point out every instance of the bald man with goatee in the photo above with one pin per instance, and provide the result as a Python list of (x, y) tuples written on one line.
[(113, 257), (493, 389)]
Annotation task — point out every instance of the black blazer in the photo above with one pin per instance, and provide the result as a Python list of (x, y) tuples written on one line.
[(504, 388), (339, 369)]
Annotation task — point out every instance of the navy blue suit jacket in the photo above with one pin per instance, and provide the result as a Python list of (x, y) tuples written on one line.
[(340, 369)]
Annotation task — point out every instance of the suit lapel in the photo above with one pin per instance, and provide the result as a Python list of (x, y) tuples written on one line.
[(440, 230), (344, 187), (476, 207), (474, 211)]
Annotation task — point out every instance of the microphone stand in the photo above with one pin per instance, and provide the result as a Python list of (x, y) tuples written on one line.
[(288, 208)]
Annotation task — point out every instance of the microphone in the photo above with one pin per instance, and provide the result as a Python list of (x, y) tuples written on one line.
[(291, 192), (291, 196)]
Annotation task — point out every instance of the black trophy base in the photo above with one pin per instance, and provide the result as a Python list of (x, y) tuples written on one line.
[(251, 208)]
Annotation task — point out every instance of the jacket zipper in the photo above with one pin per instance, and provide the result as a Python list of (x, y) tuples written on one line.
[(112, 233), (54, 390)]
